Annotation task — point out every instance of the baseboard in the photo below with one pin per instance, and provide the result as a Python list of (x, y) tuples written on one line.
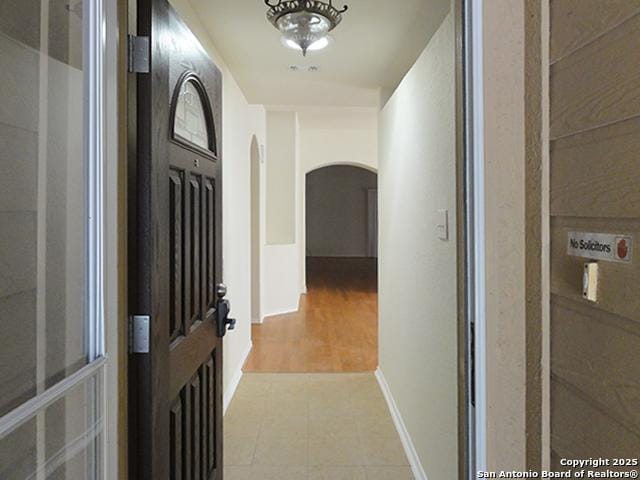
[(280, 312), (405, 438), (341, 256), (257, 321), (285, 311), (235, 380)]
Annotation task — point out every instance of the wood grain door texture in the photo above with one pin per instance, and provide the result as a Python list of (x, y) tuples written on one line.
[(176, 250)]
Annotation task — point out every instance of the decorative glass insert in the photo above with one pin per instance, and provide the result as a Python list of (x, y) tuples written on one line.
[(190, 122)]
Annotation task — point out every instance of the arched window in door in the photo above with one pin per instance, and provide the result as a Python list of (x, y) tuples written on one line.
[(193, 125)]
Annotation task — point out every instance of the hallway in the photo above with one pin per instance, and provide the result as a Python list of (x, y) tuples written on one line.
[(335, 328), (311, 426), (319, 239)]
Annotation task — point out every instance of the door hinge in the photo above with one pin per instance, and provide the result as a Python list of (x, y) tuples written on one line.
[(139, 333), (139, 54)]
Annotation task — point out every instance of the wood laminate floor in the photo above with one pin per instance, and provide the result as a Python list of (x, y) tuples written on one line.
[(335, 329)]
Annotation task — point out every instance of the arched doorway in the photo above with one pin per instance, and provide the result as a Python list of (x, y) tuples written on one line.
[(335, 327), (256, 314), (341, 212)]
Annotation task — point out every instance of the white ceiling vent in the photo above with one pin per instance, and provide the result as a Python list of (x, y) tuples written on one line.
[(304, 68)]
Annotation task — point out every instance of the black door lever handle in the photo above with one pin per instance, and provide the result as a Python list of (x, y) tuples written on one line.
[(231, 322), (223, 308)]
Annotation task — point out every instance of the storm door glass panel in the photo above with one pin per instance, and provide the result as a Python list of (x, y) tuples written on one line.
[(68, 433), (190, 122), (43, 182)]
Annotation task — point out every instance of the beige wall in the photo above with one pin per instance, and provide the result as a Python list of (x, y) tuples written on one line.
[(594, 160), (418, 284), (331, 136), (504, 140), (281, 178)]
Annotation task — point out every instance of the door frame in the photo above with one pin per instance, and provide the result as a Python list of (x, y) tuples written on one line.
[(116, 239), (504, 161), (469, 240), (467, 438), (301, 179)]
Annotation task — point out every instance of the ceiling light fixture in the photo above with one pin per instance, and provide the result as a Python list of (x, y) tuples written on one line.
[(317, 45), (304, 24)]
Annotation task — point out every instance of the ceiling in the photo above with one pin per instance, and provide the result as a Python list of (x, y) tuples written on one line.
[(373, 48)]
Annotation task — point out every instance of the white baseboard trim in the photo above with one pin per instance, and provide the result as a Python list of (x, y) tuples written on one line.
[(280, 312), (257, 321), (292, 309), (405, 438), (343, 255), (235, 380)]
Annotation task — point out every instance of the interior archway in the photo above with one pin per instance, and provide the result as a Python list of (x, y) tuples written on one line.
[(256, 313), (341, 212)]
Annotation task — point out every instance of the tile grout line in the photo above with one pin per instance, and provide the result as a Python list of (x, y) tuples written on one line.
[(363, 464)]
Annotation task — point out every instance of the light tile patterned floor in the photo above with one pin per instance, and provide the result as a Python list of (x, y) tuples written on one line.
[(311, 427)]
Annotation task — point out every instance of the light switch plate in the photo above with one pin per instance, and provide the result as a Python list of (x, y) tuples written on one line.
[(443, 225)]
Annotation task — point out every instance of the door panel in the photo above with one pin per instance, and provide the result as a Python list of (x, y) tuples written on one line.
[(177, 249), (193, 426), (176, 388)]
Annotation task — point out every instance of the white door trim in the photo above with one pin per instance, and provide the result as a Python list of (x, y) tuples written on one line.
[(475, 224)]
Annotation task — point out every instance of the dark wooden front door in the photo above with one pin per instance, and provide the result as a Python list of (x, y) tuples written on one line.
[(175, 249)]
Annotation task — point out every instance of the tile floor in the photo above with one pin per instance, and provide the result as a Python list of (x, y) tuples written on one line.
[(311, 427)]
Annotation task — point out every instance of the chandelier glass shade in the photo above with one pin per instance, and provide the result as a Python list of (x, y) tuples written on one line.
[(304, 24)]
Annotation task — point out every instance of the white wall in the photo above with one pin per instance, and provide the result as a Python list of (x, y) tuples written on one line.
[(282, 286), (337, 211), (239, 123), (417, 281), (281, 257), (259, 126), (281, 186), (332, 136), (320, 137)]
